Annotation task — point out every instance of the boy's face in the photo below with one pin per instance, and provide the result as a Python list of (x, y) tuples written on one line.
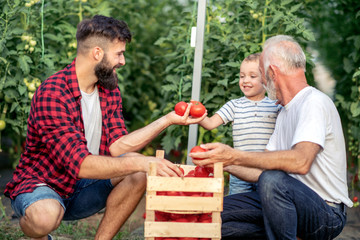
[(250, 80)]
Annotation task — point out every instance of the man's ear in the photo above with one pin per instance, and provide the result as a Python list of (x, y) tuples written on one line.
[(97, 53), (272, 72)]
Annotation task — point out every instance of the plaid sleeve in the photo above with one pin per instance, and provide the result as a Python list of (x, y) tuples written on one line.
[(116, 124), (64, 141)]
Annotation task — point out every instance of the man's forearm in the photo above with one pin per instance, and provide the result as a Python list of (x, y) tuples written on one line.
[(244, 173), (104, 167), (138, 139)]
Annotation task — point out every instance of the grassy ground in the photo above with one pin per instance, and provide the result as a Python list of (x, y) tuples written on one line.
[(69, 230)]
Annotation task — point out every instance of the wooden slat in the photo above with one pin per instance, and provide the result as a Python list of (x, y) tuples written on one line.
[(179, 203), (186, 204), (178, 229), (188, 184)]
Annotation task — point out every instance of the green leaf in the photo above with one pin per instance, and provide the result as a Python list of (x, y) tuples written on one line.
[(233, 64), (290, 27), (295, 7), (286, 2), (348, 66), (355, 109), (23, 61), (22, 89), (308, 35), (356, 74)]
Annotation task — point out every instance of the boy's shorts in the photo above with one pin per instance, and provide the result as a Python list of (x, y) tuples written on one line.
[(89, 197)]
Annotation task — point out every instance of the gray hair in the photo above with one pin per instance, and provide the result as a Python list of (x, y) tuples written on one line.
[(285, 53)]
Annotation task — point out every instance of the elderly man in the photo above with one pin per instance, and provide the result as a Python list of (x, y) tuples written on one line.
[(302, 174)]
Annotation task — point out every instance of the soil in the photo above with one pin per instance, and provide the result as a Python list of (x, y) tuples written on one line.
[(135, 223)]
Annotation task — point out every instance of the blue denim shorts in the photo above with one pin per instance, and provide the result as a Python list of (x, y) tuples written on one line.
[(89, 197)]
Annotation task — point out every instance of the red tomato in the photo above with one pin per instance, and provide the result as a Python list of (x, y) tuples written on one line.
[(197, 109), (161, 193), (201, 172), (175, 216), (355, 199), (182, 170), (207, 194), (190, 174), (182, 220), (197, 149), (205, 218), (192, 218), (180, 108), (162, 216), (172, 193)]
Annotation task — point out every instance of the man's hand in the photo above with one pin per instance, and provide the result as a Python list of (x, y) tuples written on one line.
[(165, 168), (173, 118), (217, 152)]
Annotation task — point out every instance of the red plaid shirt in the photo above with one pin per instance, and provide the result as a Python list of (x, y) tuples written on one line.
[(55, 143)]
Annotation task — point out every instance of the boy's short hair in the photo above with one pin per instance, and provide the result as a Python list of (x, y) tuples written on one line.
[(252, 57)]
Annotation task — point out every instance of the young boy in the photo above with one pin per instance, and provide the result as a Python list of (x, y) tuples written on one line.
[(253, 117)]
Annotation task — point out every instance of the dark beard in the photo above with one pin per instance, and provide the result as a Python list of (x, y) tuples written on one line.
[(105, 74)]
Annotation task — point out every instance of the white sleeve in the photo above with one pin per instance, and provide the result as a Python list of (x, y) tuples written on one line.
[(312, 124)]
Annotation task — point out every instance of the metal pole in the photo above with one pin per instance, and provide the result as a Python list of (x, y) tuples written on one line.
[(196, 83)]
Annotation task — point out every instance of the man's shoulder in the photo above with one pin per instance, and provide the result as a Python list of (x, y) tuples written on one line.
[(59, 81)]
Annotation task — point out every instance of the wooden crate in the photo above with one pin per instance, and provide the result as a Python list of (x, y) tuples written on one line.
[(184, 204)]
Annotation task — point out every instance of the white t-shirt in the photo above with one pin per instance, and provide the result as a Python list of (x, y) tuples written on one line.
[(311, 116), (91, 112)]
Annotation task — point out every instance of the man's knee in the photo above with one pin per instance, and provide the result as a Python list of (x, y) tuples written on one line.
[(138, 180), (271, 180), (43, 216)]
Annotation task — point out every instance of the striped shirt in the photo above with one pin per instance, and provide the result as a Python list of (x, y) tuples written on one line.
[(253, 122)]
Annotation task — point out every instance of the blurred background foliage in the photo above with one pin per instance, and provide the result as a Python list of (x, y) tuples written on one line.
[(38, 38)]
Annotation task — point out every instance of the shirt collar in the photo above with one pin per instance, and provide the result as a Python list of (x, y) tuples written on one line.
[(72, 80)]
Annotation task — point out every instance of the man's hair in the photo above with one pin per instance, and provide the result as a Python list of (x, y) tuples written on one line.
[(285, 53), (100, 31), (252, 57)]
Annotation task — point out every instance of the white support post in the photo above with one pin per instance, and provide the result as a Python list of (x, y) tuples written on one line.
[(196, 83)]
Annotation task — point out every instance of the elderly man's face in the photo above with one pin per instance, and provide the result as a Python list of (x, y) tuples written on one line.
[(267, 82)]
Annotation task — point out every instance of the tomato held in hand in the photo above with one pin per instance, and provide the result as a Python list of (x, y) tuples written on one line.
[(197, 149), (197, 109), (180, 108)]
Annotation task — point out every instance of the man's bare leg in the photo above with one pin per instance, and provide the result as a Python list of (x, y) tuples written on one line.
[(41, 218), (121, 202)]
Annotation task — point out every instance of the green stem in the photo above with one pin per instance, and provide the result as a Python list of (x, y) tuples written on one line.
[(201, 135), (6, 27), (80, 11), (42, 30), (263, 22)]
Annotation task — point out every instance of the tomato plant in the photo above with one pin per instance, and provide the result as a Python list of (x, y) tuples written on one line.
[(180, 108)]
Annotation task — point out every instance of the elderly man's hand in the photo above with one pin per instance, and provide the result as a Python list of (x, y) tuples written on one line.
[(216, 152)]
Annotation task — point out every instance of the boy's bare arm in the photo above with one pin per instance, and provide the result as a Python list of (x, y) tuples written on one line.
[(212, 122)]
